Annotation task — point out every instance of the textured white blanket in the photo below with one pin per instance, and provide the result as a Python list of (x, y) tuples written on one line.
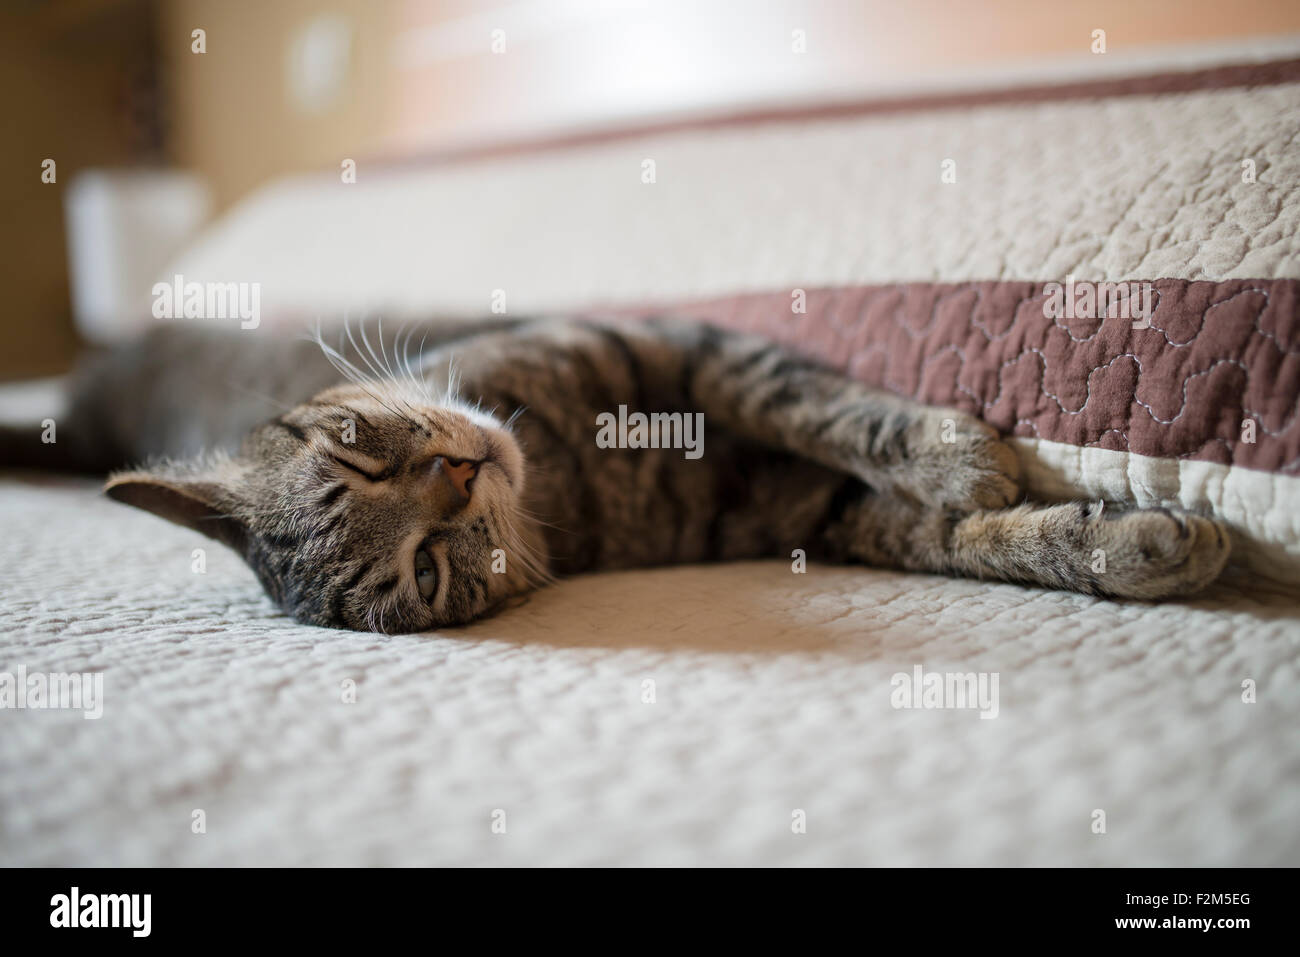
[(688, 715), (772, 695)]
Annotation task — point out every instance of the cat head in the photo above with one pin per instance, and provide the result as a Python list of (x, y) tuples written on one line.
[(371, 507)]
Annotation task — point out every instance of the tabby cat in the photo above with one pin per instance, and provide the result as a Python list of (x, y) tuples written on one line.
[(399, 489)]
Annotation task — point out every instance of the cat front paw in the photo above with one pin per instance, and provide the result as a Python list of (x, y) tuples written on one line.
[(959, 463), (1156, 552)]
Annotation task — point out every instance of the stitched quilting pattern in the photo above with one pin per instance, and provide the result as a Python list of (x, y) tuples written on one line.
[(1215, 377)]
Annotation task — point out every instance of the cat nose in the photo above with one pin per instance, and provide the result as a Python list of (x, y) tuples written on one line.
[(459, 472)]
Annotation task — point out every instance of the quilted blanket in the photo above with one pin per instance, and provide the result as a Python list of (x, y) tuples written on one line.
[(678, 716), (755, 713), (1195, 403)]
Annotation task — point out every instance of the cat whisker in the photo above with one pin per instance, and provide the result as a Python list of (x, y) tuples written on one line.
[(375, 373), (369, 382)]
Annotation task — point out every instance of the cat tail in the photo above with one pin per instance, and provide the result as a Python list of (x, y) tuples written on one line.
[(38, 446), (41, 429)]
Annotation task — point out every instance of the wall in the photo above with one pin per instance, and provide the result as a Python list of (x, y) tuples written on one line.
[(72, 76), (114, 82)]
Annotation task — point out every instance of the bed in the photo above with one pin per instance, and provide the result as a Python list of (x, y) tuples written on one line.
[(744, 714)]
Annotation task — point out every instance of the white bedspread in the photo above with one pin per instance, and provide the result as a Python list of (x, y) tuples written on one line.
[(772, 694), (771, 690)]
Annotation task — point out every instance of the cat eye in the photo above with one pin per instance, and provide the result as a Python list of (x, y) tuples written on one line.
[(370, 476), (426, 574)]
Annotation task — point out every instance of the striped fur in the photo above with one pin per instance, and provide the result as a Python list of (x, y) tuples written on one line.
[(795, 457)]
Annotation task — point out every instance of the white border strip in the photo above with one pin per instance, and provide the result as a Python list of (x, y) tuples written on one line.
[(1263, 508)]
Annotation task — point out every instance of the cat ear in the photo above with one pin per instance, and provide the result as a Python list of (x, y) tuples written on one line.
[(198, 502)]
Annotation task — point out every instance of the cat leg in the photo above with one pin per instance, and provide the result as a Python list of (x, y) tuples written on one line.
[(1083, 547), (764, 392), (747, 387)]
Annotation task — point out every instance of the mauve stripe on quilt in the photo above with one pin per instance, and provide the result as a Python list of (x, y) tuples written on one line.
[(1215, 355)]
